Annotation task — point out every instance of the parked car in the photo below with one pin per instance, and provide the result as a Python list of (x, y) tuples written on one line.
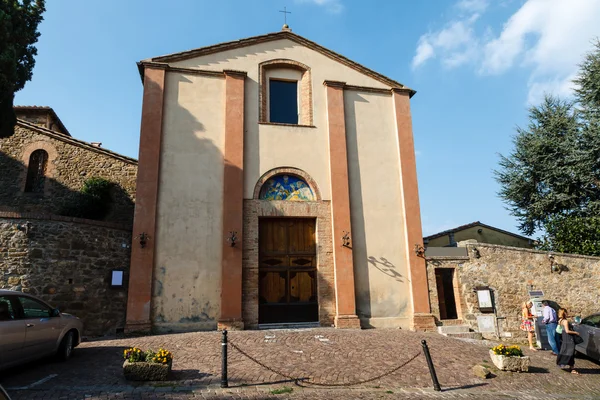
[(3, 394), (589, 329), (32, 329)]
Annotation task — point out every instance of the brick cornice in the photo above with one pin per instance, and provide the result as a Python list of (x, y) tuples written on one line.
[(235, 73), (75, 142), (335, 84)]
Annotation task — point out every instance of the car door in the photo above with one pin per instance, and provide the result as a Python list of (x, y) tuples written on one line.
[(41, 330), (12, 332), (590, 332)]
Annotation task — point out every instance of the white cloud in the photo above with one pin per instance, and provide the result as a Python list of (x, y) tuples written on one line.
[(455, 44), (477, 6), (332, 6), (548, 37)]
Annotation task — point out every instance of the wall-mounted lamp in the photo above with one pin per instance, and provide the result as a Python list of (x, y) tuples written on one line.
[(419, 251), (143, 238), (26, 227), (475, 253), (232, 238), (554, 267), (346, 239)]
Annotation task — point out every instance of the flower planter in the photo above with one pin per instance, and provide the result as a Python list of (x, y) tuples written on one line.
[(510, 363), (145, 371)]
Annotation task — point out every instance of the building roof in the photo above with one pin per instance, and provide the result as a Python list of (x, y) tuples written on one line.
[(44, 109), (284, 34), (75, 142), (471, 225)]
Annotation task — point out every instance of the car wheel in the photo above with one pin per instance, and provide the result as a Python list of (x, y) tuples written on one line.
[(66, 347)]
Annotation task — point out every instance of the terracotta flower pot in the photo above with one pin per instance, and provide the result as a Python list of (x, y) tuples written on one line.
[(510, 363)]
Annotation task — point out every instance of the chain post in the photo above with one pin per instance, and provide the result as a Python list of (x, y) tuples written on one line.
[(436, 384), (224, 382)]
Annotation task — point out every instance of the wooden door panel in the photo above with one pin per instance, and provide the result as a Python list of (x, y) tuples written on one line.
[(302, 286), (287, 270), (272, 287)]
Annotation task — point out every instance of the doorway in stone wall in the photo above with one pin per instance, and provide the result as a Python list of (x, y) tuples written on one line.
[(287, 271), (444, 280)]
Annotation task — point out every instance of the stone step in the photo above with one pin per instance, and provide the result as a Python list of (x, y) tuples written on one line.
[(453, 329), (449, 322), (292, 325), (466, 335)]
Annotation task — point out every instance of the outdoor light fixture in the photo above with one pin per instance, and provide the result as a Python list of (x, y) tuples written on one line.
[(419, 251), (346, 239), (554, 267), (143, 238), (232, 238), (475, 253)]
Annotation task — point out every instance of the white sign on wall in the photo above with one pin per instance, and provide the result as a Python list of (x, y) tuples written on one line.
[(486, 323), (485, 299)]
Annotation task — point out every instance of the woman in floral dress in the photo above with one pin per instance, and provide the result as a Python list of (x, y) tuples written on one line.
[(527, 323)]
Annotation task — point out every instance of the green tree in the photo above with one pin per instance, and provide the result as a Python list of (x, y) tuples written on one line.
[(19, 20), (551, 179), (576, 235)]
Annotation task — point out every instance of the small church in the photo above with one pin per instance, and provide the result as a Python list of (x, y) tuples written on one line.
[(276, 186)]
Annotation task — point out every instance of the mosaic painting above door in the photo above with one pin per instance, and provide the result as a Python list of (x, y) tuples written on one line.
[(286, 187)]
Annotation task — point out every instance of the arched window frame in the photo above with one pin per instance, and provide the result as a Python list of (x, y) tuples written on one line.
[(305, 102), (287, 171), (50, 168)]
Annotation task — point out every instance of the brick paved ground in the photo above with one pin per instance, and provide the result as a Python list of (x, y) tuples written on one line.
[(324, 356)]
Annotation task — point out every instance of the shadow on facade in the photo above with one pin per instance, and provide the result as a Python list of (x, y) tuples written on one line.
[(189, 236)]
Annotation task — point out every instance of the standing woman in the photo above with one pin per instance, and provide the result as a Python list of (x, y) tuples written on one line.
[(527, 322), (566, 356)]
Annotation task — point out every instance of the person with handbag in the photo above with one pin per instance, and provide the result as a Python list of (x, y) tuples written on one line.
[(566, 356)]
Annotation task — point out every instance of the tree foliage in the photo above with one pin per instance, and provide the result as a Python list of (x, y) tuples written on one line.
[(93, 201), (577, 235), (19, 20), (551, 179)]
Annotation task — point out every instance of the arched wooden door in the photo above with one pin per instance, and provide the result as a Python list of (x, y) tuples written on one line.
[(287, 271)]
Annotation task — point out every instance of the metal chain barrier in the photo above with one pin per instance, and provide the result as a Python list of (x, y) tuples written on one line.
[(308, 381)]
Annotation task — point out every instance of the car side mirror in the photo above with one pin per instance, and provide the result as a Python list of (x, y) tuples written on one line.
[(55, 312), (577, 320)]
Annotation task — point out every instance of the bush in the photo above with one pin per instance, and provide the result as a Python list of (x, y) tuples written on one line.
[(92, 201), (510, 351)]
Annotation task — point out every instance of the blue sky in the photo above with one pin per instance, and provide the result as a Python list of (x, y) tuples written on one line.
[(476, 65)]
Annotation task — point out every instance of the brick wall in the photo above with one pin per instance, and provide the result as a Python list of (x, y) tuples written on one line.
[(321, 210), (510, 271), (70, 164), (68, 262)]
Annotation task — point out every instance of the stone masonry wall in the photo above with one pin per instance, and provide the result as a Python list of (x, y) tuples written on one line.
[(510, 271), (68, 262), (70, 163)]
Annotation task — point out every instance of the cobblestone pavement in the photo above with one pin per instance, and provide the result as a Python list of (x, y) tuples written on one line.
[(322, 356)]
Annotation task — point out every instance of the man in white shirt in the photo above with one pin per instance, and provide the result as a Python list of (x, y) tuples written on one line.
[(551, 322)]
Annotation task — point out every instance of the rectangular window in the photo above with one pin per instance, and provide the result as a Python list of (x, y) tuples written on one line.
[(283, 101)]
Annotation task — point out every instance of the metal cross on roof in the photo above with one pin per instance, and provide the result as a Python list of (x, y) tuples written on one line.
[(285, 13)]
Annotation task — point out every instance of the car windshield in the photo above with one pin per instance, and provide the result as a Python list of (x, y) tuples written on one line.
[(593, 320)]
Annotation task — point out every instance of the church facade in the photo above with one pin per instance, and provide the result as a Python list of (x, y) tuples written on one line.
[(276, 185)]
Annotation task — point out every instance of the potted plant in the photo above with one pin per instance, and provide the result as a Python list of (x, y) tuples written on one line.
[(147, 365), (509, 358)]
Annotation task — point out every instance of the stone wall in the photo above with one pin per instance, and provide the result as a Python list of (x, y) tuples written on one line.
[(70, 163), (68, 262), (509, 272)]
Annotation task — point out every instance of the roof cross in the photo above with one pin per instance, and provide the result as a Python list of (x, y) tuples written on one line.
[(285, 13)]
